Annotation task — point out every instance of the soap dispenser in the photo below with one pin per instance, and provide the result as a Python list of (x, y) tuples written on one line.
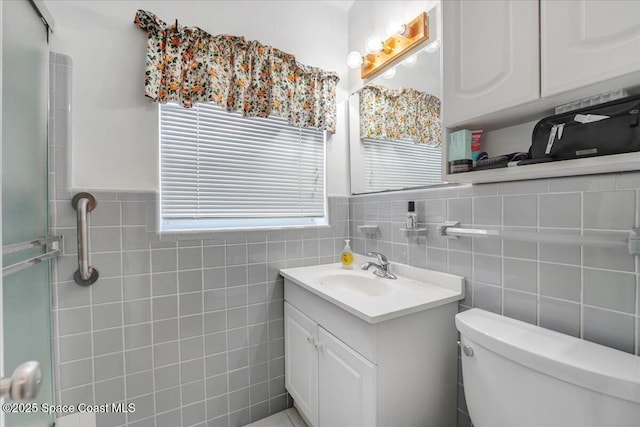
[(347, 255), (411, 218)]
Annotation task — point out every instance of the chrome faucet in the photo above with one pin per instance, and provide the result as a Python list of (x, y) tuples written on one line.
[(382, 269)]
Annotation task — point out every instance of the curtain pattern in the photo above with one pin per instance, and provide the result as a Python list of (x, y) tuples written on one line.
[(400, 114), (187, 65)]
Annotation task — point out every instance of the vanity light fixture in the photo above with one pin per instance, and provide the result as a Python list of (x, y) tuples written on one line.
[(433, 47), (410, 61), (389, 73), (375, 44), (396, 27), (382, 53), (354, 59)]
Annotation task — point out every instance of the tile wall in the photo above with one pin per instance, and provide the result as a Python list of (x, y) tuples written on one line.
[(588, 292), (189, 327)]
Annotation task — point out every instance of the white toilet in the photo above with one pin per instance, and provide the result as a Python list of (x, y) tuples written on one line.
[(520, 375)]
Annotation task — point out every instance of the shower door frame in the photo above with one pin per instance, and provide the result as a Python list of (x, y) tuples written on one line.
[(2, 423), (39, 8)]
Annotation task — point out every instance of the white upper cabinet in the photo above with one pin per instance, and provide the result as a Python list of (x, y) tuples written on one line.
[(490, 57), (586, 42)]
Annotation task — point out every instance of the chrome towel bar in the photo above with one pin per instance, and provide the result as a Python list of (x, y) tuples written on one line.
[(55, 243), (84, 203), (42, 241), (629, 239)]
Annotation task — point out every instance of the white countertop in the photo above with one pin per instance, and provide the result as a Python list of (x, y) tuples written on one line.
[(416, 289)]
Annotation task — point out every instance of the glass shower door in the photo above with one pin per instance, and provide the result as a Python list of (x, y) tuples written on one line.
[(26, 293)]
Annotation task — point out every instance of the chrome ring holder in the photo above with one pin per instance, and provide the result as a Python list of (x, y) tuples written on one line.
[(84, 203)]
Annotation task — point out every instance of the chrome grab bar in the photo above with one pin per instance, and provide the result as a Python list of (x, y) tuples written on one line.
[(54, 241), (84, 203), (629, 239)]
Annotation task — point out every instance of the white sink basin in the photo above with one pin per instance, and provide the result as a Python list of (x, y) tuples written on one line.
[(376, 299), (365, 286)]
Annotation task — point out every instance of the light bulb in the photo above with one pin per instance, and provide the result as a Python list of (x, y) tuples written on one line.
[(396, 27), (389, 73), (354, 59), (410, 61), (374, 44), (433, 47)]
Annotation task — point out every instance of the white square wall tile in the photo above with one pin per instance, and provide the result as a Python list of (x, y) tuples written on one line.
[(520, 210), (460, 210), (560, 316), (487, 269), (610, 289), (520, 305), (521, 275), (487, 210), (560, 281), (609, 328), (560, 210), (615, 210)]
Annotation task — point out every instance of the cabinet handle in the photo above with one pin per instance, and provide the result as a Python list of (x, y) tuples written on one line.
[(318, 345), (310, 340)]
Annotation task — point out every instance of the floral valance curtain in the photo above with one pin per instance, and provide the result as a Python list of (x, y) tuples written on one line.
[(400, 114), (187, 65)]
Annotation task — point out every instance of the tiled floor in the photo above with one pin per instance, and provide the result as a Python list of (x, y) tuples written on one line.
[(287, 418)]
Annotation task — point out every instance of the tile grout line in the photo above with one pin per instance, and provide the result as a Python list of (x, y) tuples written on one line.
[(124, 353), (177, 260), (204, 334), (152, 344)]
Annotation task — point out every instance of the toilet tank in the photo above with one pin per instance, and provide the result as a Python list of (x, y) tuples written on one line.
[(520, 375)]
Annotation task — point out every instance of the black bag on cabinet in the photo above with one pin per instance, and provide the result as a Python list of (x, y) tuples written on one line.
[(609, 128)]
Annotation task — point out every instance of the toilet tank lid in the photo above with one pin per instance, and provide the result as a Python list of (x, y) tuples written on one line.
[(583, 363)]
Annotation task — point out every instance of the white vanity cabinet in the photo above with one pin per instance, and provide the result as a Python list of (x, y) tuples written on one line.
[(301, 361), (343, 371), (328, 380), (585, 42), (347, 393), (490, 57)]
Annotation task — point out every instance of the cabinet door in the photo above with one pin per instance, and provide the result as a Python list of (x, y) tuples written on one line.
[(490, 57), (587, 41), (348, 384), (301, 361)]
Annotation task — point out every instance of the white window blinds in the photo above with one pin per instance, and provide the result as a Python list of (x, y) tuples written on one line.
[(401, 163), (222, 170)]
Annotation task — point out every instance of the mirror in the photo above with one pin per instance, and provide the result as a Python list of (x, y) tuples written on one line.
[(383, 158)]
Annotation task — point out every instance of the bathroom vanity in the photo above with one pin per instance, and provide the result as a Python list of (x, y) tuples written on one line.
[(367, 351)]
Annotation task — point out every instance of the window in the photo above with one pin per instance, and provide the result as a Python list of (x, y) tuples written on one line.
[(219, 170), (400, 163)]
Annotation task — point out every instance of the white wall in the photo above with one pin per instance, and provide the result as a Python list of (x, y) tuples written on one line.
[(115, 128)]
